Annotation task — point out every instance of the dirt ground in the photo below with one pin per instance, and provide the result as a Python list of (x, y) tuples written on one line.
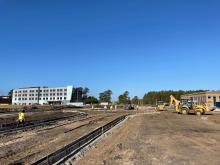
[(157, 139), (6, 118), (28, 147)]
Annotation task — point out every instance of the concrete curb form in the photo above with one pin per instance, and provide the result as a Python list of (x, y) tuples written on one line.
[(93, 144), (62, 155)]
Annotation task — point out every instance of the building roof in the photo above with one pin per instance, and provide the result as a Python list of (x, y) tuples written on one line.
[(4, 97), (27, 87), (207, 92)]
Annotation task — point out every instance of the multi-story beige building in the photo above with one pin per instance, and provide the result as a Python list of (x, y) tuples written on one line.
[(211, 98)]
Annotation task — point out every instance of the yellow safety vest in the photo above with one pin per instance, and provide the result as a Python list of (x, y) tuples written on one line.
[(21, 116)]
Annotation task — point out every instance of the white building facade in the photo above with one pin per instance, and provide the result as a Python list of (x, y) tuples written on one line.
[(42, 95)]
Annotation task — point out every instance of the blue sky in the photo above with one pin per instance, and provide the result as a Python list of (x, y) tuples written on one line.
[(138, 46)]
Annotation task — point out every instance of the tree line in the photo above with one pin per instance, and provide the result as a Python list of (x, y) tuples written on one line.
[(106, 96), (153, 96), (81, 94)]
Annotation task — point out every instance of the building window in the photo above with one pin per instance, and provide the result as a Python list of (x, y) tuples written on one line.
[(36, 98), (61, 98), (43, 98), (209, 97), (61, 90), (58, 90), (53, 94), (46, 98), (58, 98), (57, 94), (39, 98), (15, 98), (53, 98), (32, 98), (65, 90), (64, 94), (50, 98), (64, 98)]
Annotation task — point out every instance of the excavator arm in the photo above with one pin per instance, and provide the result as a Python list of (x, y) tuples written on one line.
[(175, 102)]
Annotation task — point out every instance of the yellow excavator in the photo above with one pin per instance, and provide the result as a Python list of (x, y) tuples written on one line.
[(187, 106)]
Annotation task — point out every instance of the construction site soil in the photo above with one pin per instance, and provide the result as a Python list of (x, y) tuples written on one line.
[(30, 146), (159, 138), (146, 137), (6, 118)]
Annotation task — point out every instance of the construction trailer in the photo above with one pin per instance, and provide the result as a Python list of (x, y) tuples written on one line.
[(5, 100), (211, 98)]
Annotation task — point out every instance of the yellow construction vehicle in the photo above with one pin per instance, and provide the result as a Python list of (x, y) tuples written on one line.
[(176, 103), (162, 106), (187, 106)]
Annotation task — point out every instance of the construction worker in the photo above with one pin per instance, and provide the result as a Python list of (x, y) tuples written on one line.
[(21, 117)]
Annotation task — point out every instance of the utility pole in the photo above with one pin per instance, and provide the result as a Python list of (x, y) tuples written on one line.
[(77, 95)]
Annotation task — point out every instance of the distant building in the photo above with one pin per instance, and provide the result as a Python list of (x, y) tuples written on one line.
[(5, 100), (211, 98), (42, 95), (104, 103)]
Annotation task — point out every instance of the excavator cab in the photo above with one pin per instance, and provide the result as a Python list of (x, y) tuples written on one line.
[(187, 102)]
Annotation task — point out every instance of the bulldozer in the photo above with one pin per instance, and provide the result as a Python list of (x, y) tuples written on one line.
[(187, 106)]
